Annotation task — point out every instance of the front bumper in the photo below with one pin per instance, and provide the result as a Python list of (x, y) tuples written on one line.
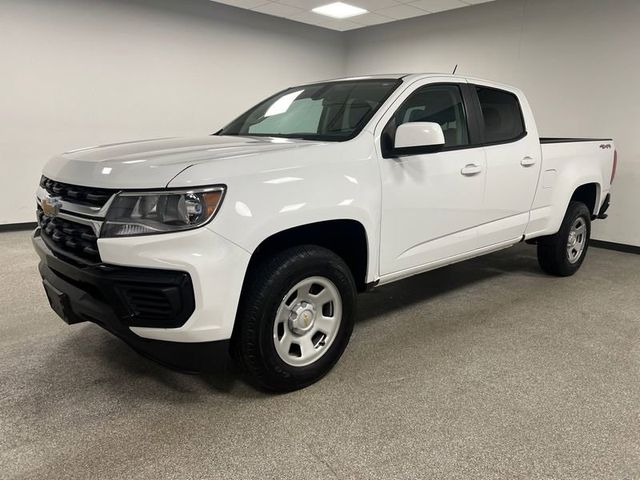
[(164, 314)]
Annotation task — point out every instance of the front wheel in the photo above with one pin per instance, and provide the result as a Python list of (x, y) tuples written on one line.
[(295, 318), (563, 253)]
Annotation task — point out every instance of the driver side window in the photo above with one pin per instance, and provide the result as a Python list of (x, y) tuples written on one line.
[(441, 104)]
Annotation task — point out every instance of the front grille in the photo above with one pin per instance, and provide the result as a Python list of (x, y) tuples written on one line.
[(94, 197), (71, 239)]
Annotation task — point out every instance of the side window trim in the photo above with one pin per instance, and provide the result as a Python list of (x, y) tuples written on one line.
[(475, 121), (471, 124), (472, 87)]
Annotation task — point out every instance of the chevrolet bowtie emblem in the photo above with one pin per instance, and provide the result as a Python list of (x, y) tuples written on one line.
[(51, 206)]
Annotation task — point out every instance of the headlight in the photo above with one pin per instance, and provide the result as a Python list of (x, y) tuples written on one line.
[(144, 213)]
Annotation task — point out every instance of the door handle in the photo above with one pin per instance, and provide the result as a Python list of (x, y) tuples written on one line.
[(471, 169), (527, 161)]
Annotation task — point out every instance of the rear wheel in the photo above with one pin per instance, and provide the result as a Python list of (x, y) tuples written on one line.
[(295, 318), (563, 253)]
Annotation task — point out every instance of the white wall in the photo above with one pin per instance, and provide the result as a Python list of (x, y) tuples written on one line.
[(83, 72), (577, 61)]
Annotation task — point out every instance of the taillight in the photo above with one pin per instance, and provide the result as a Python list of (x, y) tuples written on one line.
[(615, 165)]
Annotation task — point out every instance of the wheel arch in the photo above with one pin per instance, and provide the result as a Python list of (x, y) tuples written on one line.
[(585, 191), (547, 218), (589, 194), (347, 238)]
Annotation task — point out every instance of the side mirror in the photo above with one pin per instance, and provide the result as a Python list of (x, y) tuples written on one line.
[(415, 138)]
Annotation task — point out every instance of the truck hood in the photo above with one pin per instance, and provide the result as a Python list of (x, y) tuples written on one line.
[(153, 163)]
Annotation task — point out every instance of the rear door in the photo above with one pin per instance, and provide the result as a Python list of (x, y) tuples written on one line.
[(513, 163)]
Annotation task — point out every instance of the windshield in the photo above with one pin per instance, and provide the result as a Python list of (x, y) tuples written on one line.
[(332, 111)]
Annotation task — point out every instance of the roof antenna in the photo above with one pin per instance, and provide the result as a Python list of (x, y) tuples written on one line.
[(454, 69)]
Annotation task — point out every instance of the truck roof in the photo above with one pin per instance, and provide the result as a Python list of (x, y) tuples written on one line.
[(416, 76), (388, 76)]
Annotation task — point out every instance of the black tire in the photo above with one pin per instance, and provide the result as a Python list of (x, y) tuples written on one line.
[(552, 250), (266, 286)]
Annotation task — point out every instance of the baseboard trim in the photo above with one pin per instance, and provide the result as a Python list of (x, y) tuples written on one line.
[(618, 247), (17, 227)]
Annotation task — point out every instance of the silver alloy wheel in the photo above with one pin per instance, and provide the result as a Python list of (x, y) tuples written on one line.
[(307, 321), (577, 240)]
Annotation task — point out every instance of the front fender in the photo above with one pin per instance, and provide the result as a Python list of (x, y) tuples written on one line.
[(291, 189)]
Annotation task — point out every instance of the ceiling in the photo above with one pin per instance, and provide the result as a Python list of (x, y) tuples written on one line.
[(380, 11)]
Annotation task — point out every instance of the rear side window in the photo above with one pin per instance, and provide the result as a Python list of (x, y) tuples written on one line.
[(502, 115)]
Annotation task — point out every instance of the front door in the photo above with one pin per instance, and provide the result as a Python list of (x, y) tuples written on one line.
[(431, 203)]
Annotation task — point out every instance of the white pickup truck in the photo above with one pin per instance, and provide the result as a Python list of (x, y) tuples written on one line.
[(253, 242)]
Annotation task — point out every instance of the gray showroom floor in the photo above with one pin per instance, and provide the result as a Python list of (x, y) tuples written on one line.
[(486, 369)]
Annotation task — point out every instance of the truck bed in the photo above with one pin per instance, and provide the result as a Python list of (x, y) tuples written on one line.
[(571, 161)]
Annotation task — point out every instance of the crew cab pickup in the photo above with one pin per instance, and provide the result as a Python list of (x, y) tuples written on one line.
[(252, 243)]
